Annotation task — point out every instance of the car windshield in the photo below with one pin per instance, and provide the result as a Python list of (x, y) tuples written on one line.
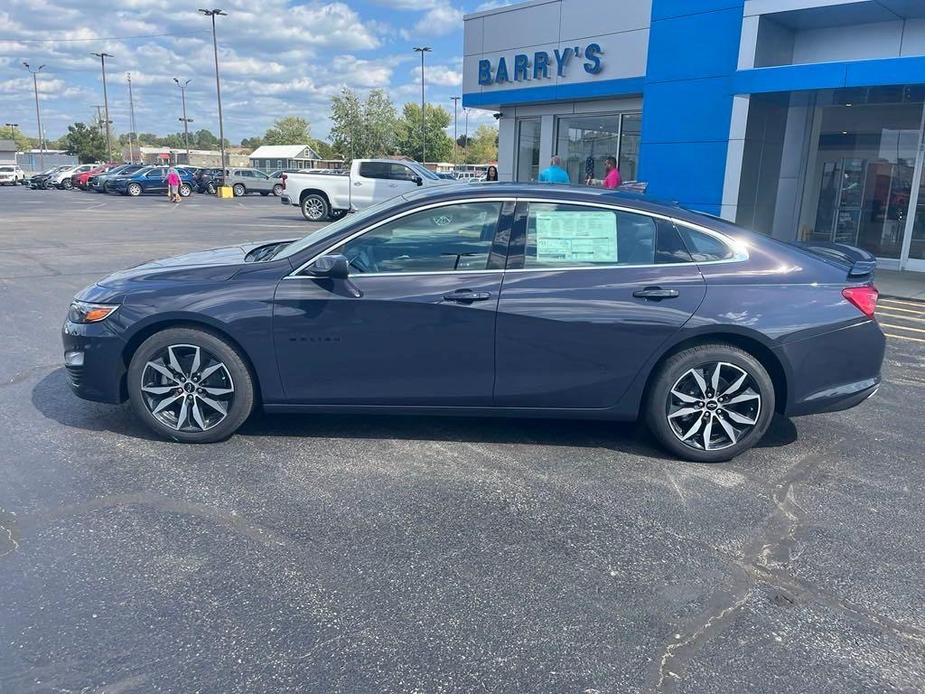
[(6, 168), (334, 228)]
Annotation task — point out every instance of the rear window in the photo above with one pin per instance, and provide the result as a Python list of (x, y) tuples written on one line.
[(705, 247)]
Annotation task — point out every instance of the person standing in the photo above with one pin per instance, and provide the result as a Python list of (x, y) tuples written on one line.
[(554, 173), (491, 174), (612, 177), (173, 185)]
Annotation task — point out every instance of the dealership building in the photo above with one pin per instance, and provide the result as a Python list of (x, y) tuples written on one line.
[(801, 119)]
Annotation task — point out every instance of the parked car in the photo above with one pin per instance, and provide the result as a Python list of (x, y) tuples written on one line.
[(151, 179), (207, 180), (507, 299), (97, 182), (277, 177), (11, 175), (64, 179), (109, 180), (41, 181), (82, 180), (244, 181), (369, 181)]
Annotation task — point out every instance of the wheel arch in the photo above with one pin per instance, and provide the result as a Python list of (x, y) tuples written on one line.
[(314, 191), (744, 341), (216, 330)]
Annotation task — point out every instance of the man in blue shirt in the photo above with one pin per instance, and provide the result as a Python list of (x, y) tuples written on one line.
[(554, 173)]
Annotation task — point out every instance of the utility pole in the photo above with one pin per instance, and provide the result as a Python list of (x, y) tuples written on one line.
[(38, 115), (186, 121), (99, 116), (102, 57), (455, 100), (133, 136), (218, 87), (466, 151), (422, 50)]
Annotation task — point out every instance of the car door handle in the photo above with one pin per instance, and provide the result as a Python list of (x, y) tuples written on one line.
[(656, 293), (358, 183), (466, 296)]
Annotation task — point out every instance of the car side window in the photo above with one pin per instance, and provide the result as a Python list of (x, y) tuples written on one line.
[(561, 235), (704, 247), (374, 169), (442, 239), (400, 172), (155, 173), (669, 247)]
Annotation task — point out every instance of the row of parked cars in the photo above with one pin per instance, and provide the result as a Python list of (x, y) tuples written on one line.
[(138, 179)]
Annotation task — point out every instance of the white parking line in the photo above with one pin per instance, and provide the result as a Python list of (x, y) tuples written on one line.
[(902, 327), (906, 310), (903, 337), (921, 305), (896, 315)]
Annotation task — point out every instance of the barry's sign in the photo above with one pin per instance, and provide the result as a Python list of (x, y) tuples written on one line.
[(523, 69)]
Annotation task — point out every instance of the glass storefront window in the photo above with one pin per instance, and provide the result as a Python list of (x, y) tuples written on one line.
[(528, 150), (585, 142), (859, 186)]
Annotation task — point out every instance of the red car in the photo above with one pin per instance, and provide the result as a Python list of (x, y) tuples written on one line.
[(82, 180)]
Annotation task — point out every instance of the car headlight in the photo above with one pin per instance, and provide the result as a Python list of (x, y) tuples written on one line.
[(83, 312)]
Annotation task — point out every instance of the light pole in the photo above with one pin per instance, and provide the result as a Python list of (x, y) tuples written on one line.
[(218, 87), (455, 100), (134, 134), (102, 57), (466, 151), (38, 115), (422, 50), (186, 121)]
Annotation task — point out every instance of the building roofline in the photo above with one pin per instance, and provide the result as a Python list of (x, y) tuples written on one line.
[(507, 8)]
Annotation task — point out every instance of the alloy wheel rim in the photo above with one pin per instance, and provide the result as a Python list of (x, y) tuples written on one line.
[(713, 406), (187, 388), (314, 208)]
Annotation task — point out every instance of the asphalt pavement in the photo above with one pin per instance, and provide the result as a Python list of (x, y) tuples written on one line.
[(367, 554)]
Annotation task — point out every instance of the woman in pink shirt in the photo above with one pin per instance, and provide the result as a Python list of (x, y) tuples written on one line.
[(173, 185)]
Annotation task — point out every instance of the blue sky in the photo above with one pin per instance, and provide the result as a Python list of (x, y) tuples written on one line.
[(278, 58)]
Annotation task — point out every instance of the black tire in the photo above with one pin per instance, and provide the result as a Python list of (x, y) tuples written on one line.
[(66, 184), (239, 190), (210, 188), (662, 405), (185, 190), (278, 189), (315, 207), (217, 350), (134, 190)]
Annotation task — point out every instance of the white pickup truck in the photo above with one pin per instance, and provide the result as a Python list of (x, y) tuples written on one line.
[(323, 196)]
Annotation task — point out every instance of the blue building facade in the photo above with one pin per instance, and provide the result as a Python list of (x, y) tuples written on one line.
[(798, 118)]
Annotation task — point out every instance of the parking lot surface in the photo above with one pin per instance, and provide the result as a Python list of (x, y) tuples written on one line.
[(360, 554)]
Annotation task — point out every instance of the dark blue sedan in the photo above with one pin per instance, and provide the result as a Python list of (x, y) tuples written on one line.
[(515, 300), (151, 179)]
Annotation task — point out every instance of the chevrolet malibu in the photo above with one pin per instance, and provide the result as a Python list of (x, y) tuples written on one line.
[(497, 300)]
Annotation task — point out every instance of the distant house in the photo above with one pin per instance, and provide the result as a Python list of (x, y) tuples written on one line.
[(7, 152), (272, 157)]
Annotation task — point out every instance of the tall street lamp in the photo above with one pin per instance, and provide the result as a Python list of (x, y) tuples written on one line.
[(186, 121), (422, 50), (218, 87), (133, 136), (466, 150), (102, 57), (38, 115), (455, 100)]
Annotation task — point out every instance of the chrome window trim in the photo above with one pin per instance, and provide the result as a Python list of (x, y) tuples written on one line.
[(740, 251)]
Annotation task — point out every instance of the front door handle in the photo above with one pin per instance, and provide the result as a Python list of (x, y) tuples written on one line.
[(656, 293), (466, 296)]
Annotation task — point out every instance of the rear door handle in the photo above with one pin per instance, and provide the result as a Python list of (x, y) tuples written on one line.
[(656, 293), (466, 296)]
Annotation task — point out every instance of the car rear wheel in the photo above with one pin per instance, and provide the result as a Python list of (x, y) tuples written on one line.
[(66, 184), (278, 189), (315, 208), (184, 190), (710, 403), (190, 385), (134, 189), (238, 190)]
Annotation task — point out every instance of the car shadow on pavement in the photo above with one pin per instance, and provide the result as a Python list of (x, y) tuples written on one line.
[(53, 399)]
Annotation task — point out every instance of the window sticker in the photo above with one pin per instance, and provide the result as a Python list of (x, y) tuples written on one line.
[(583, 237)]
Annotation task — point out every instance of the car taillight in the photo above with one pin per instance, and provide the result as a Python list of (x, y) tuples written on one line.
[(283, 179), (864, 298)]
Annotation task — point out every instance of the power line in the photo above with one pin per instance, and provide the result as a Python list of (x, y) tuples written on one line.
[(103, 38)]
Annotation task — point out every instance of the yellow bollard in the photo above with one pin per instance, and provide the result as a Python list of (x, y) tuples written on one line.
[(225, 192)]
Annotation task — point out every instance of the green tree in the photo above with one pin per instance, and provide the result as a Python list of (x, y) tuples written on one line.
[(16, 135), (363, 128), (290, 130), (204, 139), (408, 130), (324, 149), (483, 146), (88, 144), (252, 142)]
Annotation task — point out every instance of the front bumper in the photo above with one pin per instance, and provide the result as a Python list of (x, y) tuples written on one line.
[(94, 363), (284, 199), (834, 371)]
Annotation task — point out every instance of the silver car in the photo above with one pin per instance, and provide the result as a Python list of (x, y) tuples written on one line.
[(244, 181)]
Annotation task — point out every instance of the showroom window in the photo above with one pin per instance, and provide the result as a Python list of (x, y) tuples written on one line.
[(585, 142), (528, 150), (441, 239)]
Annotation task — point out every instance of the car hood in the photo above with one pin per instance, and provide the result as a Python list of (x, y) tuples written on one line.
[(216, 264)]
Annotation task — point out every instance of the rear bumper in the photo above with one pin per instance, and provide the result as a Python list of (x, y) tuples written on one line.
[(93, 360), (833, 371), (285, 200)]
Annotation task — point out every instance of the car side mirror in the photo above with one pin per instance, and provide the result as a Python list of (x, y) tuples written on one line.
[(418, 180), (335, 266)]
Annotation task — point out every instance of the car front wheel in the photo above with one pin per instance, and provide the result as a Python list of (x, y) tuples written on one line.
[(238, 190), (709, 403), (66, 184), (278, 189), (134, 189), (190, 385)]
